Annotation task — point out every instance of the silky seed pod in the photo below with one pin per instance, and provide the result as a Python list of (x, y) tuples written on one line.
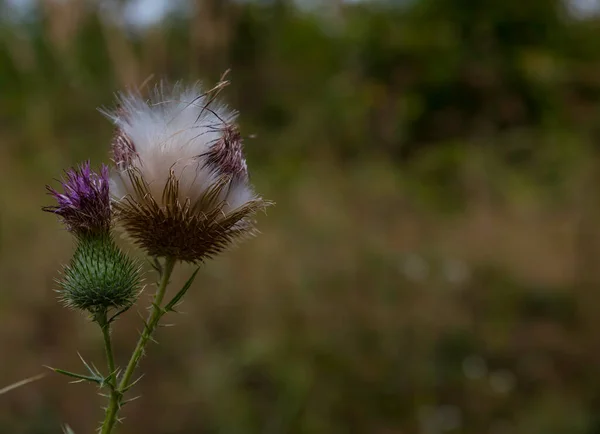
[(99, 276), (180, 185)]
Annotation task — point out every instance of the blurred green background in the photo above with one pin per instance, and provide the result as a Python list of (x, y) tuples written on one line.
[(432, 264)]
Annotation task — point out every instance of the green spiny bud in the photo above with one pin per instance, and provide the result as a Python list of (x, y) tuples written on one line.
[(100, 276)]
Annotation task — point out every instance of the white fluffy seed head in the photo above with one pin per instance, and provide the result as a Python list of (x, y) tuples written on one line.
[(180, 185), (174, 131)]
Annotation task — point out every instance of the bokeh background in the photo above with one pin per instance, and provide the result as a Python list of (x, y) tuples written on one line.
[(432, 264)]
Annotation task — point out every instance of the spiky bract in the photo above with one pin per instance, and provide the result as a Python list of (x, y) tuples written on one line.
[(186, 230), (99, 276)]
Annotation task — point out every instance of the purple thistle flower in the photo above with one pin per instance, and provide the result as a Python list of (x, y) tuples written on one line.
[(84, 207)]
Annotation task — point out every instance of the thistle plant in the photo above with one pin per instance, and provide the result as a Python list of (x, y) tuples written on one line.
[(178, 189)]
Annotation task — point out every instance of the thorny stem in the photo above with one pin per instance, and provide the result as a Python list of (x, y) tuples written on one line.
[(156, 313), (111, 410), (110, 359)]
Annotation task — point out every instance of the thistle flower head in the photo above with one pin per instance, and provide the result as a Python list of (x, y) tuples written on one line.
[(84, 204), (180, 185)]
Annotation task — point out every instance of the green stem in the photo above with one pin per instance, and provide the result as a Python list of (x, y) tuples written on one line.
[(111, 410), (110, 360), (111, 414), (154, 317)]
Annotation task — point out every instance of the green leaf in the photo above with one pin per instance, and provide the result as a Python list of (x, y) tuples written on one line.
[(171, 305), (97, 380)]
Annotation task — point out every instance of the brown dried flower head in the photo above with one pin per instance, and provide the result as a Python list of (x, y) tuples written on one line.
[(180, 184)]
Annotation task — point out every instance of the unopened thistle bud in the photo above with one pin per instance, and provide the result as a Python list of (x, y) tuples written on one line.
[(180, 186), (99, 275)]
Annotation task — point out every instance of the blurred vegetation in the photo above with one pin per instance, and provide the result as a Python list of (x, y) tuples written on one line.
[(431, 265)]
